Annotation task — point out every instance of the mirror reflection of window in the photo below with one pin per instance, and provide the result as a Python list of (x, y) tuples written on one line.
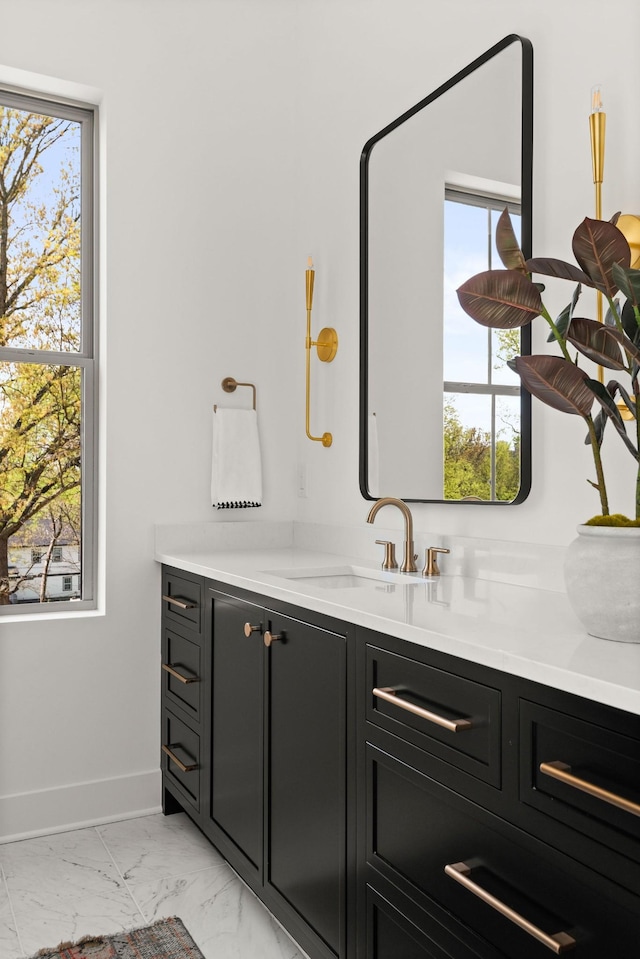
[(481, 394)]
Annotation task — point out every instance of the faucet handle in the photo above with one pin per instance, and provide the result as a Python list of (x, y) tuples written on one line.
[(431, 567), (389, 561)]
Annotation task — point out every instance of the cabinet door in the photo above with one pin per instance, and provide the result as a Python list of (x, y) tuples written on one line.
[(237, 730), (306, 774)]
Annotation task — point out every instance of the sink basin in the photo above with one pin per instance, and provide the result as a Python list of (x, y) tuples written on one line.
[(345, 577)]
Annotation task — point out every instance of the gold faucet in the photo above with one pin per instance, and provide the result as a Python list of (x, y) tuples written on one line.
[(409, 561)]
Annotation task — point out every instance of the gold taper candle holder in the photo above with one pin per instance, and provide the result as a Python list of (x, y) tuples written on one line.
[(597, 130)]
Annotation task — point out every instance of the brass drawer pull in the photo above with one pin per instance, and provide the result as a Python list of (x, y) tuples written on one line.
[(390, 695), (174, 759), (562, 772), (180, 676), (558, 942), (249, 628), (180, 603)]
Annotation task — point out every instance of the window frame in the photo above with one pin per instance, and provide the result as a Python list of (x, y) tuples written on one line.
[(86, 358)]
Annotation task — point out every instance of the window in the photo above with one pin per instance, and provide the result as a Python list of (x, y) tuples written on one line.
[(481, 401), (67, 584), (47, 337)]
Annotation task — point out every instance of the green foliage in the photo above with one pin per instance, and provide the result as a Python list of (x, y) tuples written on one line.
[(40, 240), (467, 462)]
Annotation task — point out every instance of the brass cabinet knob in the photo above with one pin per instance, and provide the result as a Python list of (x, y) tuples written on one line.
[(248, 629), (272, 637)]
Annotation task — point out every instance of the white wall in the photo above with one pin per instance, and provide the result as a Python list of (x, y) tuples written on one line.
[(366, 61), (197, 104), (233, 136)]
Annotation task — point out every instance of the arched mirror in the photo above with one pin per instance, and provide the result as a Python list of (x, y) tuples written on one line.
[(442, 416)]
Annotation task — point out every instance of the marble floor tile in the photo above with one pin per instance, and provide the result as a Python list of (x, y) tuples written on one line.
[(10, 947), (156, 847), (222, 914), (64, 887), (125, 874)]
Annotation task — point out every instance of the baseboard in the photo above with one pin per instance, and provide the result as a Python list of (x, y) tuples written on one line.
[(42, 812)]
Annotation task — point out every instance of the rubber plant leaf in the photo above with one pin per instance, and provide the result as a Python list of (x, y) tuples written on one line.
[(597, 245), (564, 319), (628, 281), (608, 403), (549, 266), (556, 382), (631, 348), (598, 342), (500, 299), (629, 401), (630, 323), (507, 244)]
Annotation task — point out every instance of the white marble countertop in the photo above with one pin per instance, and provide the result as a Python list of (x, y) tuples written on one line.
[(522, 630)]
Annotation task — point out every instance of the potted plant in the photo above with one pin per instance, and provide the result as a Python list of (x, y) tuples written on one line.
[(601, 565)]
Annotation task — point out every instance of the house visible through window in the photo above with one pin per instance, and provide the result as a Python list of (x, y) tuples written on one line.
[(47, 336), (481, 394)]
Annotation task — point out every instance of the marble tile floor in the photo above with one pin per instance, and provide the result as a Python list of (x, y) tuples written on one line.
[(125, 874)]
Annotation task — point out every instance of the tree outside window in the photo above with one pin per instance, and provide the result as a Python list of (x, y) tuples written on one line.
[(46, 347)]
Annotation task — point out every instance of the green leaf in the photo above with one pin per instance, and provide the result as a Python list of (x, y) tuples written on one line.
[(507, 245), (500, 299), (556, 382), (597, 342), (628, 281), (608, 403), (597, 245), (564, 319), (630, 323), (549, 266)]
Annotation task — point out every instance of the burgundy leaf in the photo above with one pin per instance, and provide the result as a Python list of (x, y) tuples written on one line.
[(507, 245), (597, 245), (597, 342), (556, 382), (500, 299), (548, 266)]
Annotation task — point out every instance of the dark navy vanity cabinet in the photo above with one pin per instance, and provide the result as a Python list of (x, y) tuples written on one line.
[(387, 801)]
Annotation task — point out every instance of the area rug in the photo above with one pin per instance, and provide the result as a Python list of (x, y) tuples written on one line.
[(165, 939)]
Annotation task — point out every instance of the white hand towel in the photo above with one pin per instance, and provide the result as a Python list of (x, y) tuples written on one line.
[(236, 470)]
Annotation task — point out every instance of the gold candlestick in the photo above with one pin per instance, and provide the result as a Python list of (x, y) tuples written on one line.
[(597, 129)]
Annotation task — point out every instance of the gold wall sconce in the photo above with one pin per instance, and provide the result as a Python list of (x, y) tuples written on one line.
[(326, 347), (628, 224)]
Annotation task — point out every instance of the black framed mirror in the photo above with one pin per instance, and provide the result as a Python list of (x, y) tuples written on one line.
[(442, 416)]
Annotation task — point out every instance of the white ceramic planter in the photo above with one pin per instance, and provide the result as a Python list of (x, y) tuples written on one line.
[(602, 576)]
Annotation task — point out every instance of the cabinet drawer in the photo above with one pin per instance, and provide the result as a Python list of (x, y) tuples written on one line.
[(181, 757), (582, 774), (182, 599), (417, 828), (451, 717), (392, 935), (182, 673)]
